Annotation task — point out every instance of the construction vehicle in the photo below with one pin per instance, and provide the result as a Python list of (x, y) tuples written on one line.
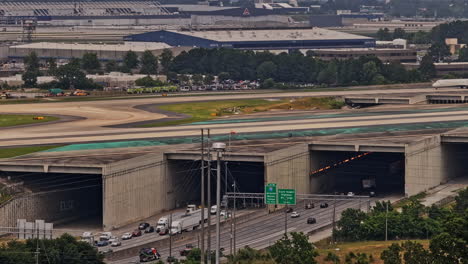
[(149, 254)]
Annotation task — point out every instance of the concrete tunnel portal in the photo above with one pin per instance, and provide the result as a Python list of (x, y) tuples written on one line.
[(358, 172)]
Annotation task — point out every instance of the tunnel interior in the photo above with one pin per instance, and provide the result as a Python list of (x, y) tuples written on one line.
[(58, 197), (248, 178), (454, 158), (358, 172)]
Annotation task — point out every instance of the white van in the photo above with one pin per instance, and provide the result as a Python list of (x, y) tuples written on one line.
[(213, 209)]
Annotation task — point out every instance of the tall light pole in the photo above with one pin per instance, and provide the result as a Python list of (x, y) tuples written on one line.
[(386, 221), (218, 147), (202, 196)]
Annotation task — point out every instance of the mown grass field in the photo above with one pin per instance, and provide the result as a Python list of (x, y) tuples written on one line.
[(18, 151), (16, 120), (202, 111), (373, 248)]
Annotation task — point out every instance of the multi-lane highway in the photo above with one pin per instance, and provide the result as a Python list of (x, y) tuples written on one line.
[(98, 116), (265, 230)]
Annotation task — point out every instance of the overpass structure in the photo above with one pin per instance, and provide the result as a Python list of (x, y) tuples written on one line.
[(121, 186)]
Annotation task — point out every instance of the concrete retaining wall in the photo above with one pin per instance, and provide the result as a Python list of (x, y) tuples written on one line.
[(289, 168), (51, 207), (424, 165), (134, 189)]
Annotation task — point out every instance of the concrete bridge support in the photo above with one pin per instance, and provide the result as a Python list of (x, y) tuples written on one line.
[(425, 167), (289, 168), (134, 189)]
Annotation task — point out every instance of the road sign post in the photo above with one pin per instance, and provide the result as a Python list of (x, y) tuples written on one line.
[(287, 196), (270, 193)]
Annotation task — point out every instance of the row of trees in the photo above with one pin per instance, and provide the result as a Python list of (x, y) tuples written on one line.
[(294, 67)]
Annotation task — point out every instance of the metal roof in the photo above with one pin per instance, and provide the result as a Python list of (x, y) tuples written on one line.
[(126, 46), (271, 35)]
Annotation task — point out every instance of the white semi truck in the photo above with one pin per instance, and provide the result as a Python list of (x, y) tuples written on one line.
[(188, 222), (461, 83)]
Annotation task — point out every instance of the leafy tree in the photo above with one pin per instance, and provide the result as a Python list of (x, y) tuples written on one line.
[(130, 60), (32, 70), (369, 71), (268, 84), (147, 81), (350, 227), (415, 253), (427, 67), (439, 51), (90, 62), (149, 63), (51, 66), (266, 70), (208, 79), (222, 76), (463, 54), (166, 60), (297, 250), (65, 249), (384, 34), (392, 255), (399, 33), (111, 66), (333, 258), (70, 76), (461, 201), (197, 79)]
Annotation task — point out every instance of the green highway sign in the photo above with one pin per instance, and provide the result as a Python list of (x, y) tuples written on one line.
[(270, 193), (287, 196)]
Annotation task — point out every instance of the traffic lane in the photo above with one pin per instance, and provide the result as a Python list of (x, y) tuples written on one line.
[(261, 229), (279, 126)]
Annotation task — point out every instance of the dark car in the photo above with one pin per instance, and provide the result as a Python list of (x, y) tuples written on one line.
[(143, 226), (289, 210), (102, 243), (311, 220), (323, 205), (309, 206), (149, 229), (136, 233), (186, 250)]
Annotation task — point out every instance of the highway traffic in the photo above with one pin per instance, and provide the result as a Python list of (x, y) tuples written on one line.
[(264, 230)]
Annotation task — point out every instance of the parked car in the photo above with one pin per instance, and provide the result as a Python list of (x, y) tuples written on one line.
[(323, 205), (143, 226), (372, 194), (102, 243), (136, 233), (149, 229), (213, 209), (311, 220), (309, 206), (186, 250), (289, 210), (350, 194), (127, 236), (295, 215), (116, 243)]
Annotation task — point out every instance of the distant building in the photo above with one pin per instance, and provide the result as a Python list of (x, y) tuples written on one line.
[(445, 68), (274, 39), (105, 52), (385, 55), (453, 45)]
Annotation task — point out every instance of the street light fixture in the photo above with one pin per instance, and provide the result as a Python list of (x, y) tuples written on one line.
[(219, 147)]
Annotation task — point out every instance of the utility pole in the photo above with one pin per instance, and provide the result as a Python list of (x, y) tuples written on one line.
[(209, 200), (333, 221), (37, 244), (286, 222), (386, 221), (170, 235), (202, 248), (234, 219), (218, 147)]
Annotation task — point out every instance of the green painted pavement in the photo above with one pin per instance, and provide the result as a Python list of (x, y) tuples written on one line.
[(250, 136)]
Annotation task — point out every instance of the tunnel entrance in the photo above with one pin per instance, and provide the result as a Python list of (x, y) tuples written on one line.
[(186, 175), (358, 172), (455, 160), (55, 197)]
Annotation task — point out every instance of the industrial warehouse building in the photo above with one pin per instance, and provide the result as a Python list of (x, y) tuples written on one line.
[(104, 52), (264, 39)]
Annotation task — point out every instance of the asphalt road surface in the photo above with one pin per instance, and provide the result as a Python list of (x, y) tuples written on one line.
[(265, 230)]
